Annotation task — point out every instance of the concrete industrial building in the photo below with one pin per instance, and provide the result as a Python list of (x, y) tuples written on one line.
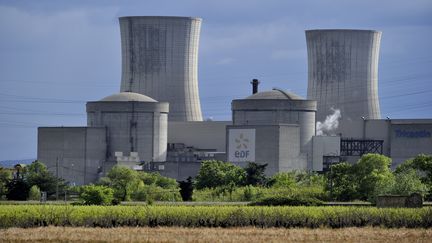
[(399, 139), (123, 129), (160, 60), (289, 124), (190, 143), (343, 72), (134, 123), (76, 154), (155, 122)]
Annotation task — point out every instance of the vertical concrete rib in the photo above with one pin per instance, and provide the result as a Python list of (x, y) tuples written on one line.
[(160, 60), (343, 72)]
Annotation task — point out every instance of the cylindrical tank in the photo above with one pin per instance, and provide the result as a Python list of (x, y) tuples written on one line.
[(160, 60), (343, 72), (278, 107), (134, 122)]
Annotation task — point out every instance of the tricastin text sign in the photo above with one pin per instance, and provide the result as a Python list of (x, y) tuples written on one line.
[(241, 145)]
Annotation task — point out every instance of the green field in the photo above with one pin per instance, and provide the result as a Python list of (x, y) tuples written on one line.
[(212, 216)]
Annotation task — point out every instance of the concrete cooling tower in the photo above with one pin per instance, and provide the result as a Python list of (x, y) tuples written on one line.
[(343, 72), (160, 60)]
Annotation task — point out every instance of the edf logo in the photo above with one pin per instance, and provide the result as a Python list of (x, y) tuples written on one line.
[(241, 145), (241, 154)]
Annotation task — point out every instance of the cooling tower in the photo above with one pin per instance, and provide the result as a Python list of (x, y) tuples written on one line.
[(343, 72), (160, 60)]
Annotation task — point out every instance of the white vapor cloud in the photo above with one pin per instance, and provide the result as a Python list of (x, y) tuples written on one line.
[(330, 124)]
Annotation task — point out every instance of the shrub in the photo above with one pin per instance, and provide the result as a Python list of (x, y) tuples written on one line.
[(218, 173), (362, 180), (409, 182), (288, 201), (5, 177), (299, 184), (17, 189), (96, 195), (255, 174), (34, 193), (249, 193), (222, 194), (155, 193), (283, 179), (158, 180), (186, 189), (423, 165)]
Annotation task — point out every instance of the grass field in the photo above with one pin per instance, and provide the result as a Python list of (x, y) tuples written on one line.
[(245, 234)]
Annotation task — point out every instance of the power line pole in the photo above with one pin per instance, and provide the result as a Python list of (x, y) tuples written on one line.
[(57, 186)]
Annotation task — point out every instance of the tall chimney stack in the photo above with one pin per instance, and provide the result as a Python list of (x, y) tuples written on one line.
[(255, 83)]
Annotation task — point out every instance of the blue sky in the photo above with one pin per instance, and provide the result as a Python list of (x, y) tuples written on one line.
[(56, 55)]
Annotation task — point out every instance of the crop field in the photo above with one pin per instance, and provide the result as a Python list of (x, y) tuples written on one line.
[(212, 216), (244, 234)]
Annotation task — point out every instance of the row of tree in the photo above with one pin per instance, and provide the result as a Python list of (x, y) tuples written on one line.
[(27, 182), (24, 181), (369, 177), (365, 180)]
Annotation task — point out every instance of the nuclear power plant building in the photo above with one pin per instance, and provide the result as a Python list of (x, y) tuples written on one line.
[(160, 60), (155, 123), (343, 72), (282, 124)]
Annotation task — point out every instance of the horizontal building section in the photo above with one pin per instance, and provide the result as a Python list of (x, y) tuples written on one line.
[(201, 135), (76, 154)]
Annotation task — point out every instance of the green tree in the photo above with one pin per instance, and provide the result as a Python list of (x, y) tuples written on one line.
[(342, 186), (186, 189), (283, 180), (5, 177), (158, 180), (37, 174), (96, 195), (423, 165), (255, 174), (155, 187), (310, 179), (371, 170), (34, 193), (17, 189), (218, 173), (123, 180), (403, 183), (408, 182)]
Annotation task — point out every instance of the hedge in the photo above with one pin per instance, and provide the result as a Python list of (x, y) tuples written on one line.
[(212, 216)]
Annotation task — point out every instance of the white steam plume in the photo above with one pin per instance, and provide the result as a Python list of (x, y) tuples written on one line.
[(330, 124)]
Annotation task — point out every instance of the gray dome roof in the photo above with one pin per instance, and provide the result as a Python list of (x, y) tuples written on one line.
[(275, 94), (128, 96)]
